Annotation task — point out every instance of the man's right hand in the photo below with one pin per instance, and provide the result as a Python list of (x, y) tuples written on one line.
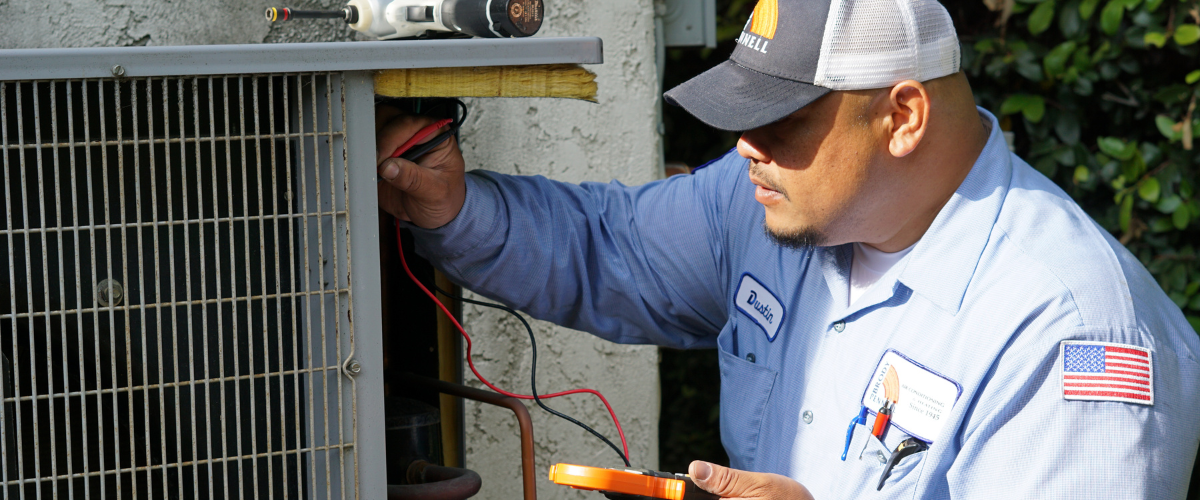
[(428, 193)]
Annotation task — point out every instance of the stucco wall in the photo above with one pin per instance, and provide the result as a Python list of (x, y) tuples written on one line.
[(573, 141), (566, 140), (110, 23)]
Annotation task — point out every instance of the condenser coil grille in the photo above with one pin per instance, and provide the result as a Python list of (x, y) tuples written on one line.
[(176, 298), (186, 230)]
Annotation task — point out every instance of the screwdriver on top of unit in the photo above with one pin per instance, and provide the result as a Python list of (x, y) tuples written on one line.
[(348, 14)]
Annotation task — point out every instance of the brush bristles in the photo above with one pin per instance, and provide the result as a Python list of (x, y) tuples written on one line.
[(552, 80)]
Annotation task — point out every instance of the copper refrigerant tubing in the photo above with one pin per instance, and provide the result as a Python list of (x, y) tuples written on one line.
[(517, 407)]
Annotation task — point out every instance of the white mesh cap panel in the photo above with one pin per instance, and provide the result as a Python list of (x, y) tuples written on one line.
[(872, 44)]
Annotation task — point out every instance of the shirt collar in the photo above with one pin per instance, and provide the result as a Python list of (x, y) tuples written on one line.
[(944, 260)]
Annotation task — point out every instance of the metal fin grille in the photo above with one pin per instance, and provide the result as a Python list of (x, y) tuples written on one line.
[(174, 319)]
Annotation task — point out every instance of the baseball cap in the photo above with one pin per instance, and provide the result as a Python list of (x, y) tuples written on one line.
[(792, 52)]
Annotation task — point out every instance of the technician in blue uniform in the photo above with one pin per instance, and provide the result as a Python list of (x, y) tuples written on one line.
[(1035, 356)]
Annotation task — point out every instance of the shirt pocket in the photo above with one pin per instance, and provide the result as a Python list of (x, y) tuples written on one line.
[(902, 481), (745, 391)]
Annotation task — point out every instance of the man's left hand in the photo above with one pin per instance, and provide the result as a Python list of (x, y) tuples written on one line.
[(735, 484)]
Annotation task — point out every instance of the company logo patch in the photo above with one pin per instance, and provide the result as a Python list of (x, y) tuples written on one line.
[(1102, 371), (765, 18), (926, 398), (763, 307)]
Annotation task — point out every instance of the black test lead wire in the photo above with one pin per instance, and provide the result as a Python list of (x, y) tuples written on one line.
[(533, 369)]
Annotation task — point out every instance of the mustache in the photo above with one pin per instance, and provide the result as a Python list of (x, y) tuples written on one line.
[(760, 174)]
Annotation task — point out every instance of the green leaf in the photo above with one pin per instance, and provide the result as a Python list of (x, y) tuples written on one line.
[(1152, 5), (1181, 217), (1172, 94), (1166, 127), (1195, 303), (1067, 128), (1156, 38), (1161, 225), (1069, 22), (1187, 34), (1082, 174), (1056, 60), (1039, 19), (1169, 204), (1115, 147), (1135, 166), (1126, 213), (1192, 288), (1192, 77), (1195, 322), (1110, 17), (1149, 190), (1031, 106), (1087, 7), (1065, 156)]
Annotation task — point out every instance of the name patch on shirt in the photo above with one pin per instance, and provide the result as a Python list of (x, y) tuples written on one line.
[(925, 401), (1102, 371), (763, 307)]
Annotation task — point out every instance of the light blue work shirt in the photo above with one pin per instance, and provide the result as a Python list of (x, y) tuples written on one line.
[(1009, 269)]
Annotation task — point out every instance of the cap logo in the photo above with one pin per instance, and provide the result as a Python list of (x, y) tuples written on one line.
[(765, 18)]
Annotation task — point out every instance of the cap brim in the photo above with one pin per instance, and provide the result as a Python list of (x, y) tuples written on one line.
[(733, 97)]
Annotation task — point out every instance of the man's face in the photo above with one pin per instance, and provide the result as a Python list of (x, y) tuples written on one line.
[(812, 170)]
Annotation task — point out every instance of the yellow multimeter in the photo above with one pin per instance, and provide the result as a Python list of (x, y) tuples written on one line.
[(629, 483)]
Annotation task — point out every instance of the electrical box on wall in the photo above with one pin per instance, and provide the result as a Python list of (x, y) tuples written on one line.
[(690, 23)]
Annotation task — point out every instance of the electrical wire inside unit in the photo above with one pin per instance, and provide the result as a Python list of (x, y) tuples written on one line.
[(411, 151), (533, 369)]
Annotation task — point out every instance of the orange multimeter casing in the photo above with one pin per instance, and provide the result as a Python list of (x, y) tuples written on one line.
[(628, 482)]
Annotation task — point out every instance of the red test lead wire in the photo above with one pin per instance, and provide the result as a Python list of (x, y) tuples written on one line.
[(468, 337), (420, 136)]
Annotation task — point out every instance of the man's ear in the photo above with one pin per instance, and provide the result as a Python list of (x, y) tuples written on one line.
[(908, 117)]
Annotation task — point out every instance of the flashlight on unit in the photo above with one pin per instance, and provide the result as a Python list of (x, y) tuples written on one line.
[(387, 19)]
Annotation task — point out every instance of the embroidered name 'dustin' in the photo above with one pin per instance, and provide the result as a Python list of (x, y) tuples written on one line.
[(763, 309), (757, 302)]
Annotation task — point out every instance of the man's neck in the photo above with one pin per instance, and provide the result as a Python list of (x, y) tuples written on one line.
[(956, 157)]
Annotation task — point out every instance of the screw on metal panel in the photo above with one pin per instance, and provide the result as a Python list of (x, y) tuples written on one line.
[(353, 367), (118, 71), (109, 293)]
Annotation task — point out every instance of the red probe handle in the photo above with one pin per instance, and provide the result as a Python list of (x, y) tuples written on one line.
[(420, 136), (881, 422)]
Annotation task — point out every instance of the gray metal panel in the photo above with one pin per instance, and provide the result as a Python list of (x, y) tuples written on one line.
[(365, 283), (31, 64)]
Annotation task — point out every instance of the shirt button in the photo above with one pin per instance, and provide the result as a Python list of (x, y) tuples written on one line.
[(839, 326), (807, 416), (750, 357), (882, 457)]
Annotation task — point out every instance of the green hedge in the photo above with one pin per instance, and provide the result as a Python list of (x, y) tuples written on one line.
[(1101, 95)]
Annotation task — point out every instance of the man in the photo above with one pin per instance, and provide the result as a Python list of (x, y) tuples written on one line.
[(909, 264)]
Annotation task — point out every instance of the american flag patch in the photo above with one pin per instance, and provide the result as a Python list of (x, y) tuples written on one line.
[(1100, 371)]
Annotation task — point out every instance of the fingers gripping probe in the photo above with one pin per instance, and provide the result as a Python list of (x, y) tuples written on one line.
[(420, 136), (403, 150)]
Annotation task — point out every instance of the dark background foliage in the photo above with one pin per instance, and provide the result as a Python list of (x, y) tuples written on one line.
[(1100, 96)]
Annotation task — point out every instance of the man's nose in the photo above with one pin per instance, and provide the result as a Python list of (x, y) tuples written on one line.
[(752, 149)]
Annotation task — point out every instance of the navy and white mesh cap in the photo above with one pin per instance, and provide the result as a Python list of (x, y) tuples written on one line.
[(792, 52)]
